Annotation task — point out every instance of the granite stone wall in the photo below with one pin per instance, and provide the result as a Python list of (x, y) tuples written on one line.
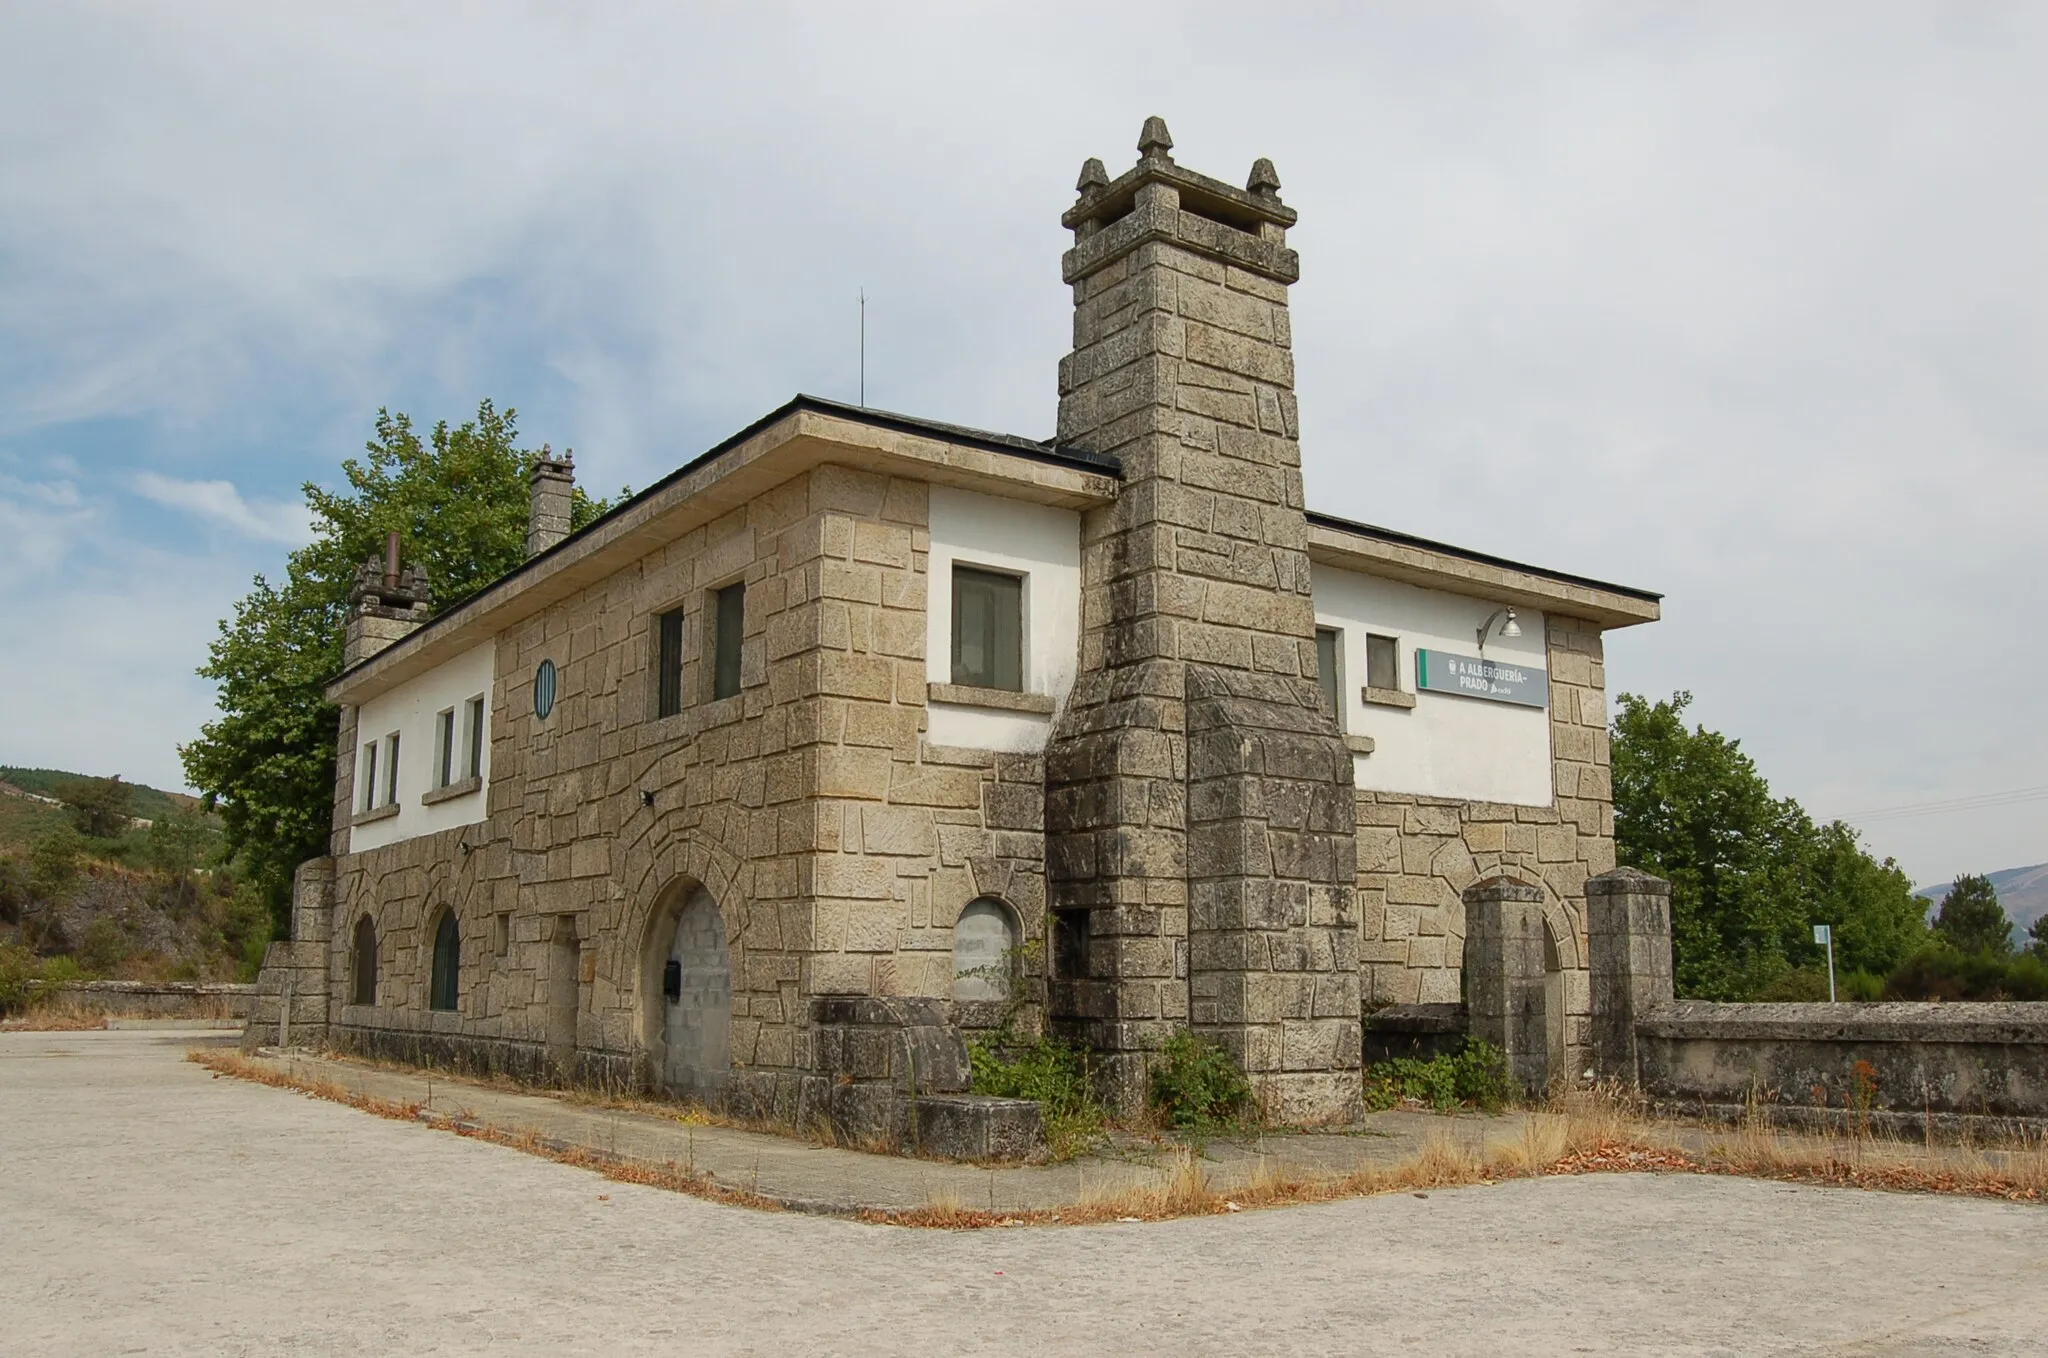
[(1417, 855), (839, 845)]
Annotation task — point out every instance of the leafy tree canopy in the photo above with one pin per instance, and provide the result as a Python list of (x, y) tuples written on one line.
[(1971, 920), (458, 499), (99, 807), (1751, 874)]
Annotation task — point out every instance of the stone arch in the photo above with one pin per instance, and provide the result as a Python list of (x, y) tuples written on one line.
[(362, 966), (686, 971), (444, 960), (986, 937)]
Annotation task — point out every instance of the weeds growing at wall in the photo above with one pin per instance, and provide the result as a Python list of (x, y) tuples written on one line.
[(1196, 1086), (1052, 1072), (1476, 1074)]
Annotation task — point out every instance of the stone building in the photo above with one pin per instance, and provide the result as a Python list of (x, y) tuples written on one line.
[(859, 728)]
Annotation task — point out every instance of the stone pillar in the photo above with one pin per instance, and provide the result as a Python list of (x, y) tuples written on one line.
[(1504, 991), (1628, 941), (552, 484), (1193, 780), (291, 1000)]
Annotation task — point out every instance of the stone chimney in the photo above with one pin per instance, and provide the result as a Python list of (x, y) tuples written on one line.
[(388, 602), (1200, 816), (547, 516)]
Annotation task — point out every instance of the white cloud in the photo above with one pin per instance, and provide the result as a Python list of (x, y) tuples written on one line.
[(219, 503), (1739, 302)]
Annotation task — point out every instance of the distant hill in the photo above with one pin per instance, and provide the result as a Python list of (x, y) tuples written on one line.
[(2022, 891), (29, 797)]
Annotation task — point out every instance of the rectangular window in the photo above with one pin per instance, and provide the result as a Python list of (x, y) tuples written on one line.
[(475, 762), (391, 769), (444, 747), (1328, 646), (728, 631), (369, 798), (1382, 662), (988, 629), (668, 664)]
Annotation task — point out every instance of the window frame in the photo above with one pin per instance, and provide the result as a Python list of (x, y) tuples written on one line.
[(391, 749), (367, 771), (727, 617), (363, 962), (993, 676), (473, 738), (670, 629), (1392, 673), (444, 748), (444, 979), (1331, 683)]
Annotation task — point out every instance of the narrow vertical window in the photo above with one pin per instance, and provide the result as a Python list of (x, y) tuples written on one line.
[(444, 981), (1382, 662), (476, 736), (988, 629), (444, 748), (1327, 650), (668, 663), (369, 776), (365, 989), (391, 769), (728, 631)]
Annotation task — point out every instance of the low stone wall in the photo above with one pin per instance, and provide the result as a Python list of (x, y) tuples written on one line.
[(1418, 1031), (1898, 1068), (159, 999)]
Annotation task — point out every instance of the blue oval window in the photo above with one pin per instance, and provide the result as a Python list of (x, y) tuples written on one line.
[(544, 689)]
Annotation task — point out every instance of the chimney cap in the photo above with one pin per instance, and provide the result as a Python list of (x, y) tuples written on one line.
[(1264, 181), (1154, 141)]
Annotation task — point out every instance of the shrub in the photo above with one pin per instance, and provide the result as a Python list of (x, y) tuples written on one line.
[(1940, 972), (1047, 1070), (1477, 1073), (18, 971), (1810, 985), (1197, 1086)]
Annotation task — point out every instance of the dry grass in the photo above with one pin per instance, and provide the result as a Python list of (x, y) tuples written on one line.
[(1587, 1133), (56, 1016)]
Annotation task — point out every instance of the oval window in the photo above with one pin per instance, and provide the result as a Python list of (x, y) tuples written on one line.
[(544, 689)]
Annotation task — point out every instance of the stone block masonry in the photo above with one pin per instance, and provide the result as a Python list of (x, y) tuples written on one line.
[(1200, 835)]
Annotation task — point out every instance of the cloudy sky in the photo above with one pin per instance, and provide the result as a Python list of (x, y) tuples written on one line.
[(1747, 304)]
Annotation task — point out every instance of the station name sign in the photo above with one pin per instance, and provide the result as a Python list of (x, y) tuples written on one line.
[(1496, 681)]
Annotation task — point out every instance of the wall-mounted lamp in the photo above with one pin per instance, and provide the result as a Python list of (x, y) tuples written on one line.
[(1509, 628)]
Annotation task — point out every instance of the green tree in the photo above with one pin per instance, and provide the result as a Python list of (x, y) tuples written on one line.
[(1751, 874), (99, 807), (2039, 936), (458, 499), (1971, 920)]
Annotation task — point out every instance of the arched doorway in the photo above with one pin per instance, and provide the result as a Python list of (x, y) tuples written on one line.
[(696, 999)]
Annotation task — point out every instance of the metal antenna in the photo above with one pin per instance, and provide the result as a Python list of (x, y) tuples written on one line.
[(863, 348)]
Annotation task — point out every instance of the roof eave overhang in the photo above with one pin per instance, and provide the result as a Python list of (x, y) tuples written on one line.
[(1436, 566), (804, 435)]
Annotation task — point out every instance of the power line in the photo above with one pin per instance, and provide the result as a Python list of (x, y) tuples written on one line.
[(1977, 802)]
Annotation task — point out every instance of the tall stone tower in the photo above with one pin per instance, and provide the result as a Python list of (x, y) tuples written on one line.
[(1199, 808)]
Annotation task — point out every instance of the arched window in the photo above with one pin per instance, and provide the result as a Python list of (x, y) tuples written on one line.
[(364, 964), (984, 951), (443, 986)]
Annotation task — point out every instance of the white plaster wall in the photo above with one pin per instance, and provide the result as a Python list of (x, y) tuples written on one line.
[(1446, 745), (1038, 542), (411, 709)]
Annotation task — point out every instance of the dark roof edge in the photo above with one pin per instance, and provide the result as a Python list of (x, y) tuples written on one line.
[(1102, 464), (1466, 554)]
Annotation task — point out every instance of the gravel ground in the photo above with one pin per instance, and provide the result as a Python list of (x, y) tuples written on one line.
[(147, 1207)]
